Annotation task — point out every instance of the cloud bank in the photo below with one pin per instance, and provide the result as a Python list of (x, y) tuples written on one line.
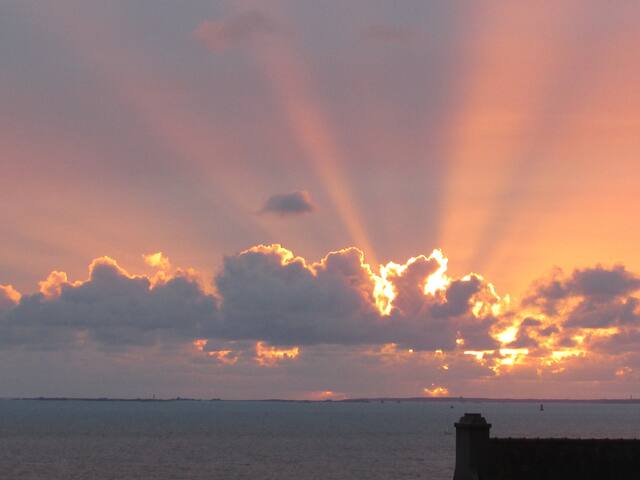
[(268, 308)]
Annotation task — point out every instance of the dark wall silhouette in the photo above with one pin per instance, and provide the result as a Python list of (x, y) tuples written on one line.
[(479, 457)]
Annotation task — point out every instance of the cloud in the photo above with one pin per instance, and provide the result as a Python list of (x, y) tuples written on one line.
[(596, 283), (273, 309), (51, 287), (265, 294), (592, 298), (295, 203), (112, 308), (591, 310), (9, 297), (270, 294), (217, 35)]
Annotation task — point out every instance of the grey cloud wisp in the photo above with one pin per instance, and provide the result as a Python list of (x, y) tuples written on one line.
[(287, 204)]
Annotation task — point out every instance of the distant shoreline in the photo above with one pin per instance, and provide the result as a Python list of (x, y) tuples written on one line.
[(348, 400)]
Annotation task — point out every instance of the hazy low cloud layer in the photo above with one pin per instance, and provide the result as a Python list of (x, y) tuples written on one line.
[(269, 308)]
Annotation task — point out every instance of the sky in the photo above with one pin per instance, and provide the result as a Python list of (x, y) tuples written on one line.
[(312, 200)]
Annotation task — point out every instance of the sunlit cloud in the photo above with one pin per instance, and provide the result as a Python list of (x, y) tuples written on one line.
[(269, 308), (157, 260), (436, 391), (9, 296), (385, 291), (52, 286), (268, 356), (325, 395)]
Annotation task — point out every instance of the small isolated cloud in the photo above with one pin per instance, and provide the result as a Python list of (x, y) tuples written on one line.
[(295, 203), (385, 33), (218, 35)]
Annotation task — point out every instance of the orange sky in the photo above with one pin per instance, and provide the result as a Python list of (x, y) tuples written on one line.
[(505, 135)]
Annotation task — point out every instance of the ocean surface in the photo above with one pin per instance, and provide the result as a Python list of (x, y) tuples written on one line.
[(269, 440)]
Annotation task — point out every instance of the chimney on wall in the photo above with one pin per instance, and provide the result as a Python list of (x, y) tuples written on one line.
[(472, 447)]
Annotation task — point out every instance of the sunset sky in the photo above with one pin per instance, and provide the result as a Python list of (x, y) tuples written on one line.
[(310, 200)]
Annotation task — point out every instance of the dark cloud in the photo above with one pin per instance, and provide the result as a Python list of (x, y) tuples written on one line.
[(286, 204), (599, 314), (592, 310), (547, 331), (598, 284), (112, 309), (218, 35), (595, 297), (525, 337), (266, 294), (624, 342), (290, 303), (531, 322), (270, 307), (269, 295), (458, 296)]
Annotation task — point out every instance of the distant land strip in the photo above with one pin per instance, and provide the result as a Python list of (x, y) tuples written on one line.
[(347, 400)]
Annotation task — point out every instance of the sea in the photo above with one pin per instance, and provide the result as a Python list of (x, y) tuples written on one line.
[(100, 440)]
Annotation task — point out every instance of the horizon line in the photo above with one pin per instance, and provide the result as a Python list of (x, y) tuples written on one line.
[(458, 399)]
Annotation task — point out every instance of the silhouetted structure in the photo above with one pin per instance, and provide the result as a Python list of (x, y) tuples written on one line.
[(479, 457)]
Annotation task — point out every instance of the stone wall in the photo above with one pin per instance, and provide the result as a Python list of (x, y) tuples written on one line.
[(479, 457)]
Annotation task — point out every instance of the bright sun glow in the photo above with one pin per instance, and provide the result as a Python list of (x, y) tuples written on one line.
[(438, 280), (436, 391), (507, 335), (268, 356), (157, 260), (385, 292)]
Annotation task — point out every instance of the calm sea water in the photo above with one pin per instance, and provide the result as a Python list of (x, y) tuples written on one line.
[(269, 440)]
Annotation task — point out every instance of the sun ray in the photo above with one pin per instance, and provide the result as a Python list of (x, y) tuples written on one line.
[(563, 88), (289, 79), (163, 109)]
